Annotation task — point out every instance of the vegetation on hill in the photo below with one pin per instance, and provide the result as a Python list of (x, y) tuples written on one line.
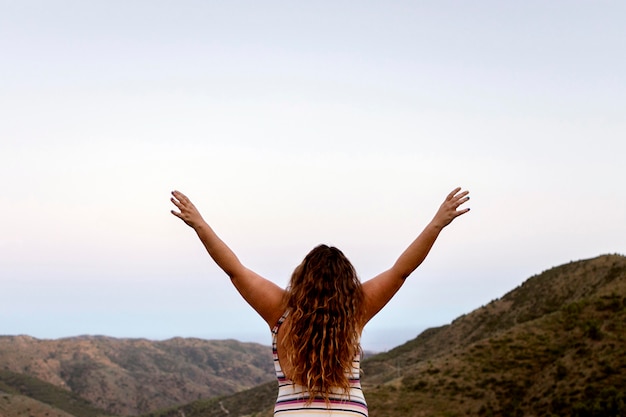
[(15, 405), (540, 295), (254, 402), (13, 385), (552, 347)]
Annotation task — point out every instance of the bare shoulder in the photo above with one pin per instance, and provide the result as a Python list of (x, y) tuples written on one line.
[(263, 295), (379, 290)]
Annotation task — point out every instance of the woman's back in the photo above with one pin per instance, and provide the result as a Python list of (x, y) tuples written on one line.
[(320, 338), (294, 399)]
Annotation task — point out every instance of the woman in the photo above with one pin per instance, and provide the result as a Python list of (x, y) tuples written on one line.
[(317, 321)]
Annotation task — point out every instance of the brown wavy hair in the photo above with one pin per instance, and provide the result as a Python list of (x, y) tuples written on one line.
[(322, 335)]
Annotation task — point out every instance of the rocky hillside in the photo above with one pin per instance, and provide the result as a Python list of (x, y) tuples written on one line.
[(133, 376)]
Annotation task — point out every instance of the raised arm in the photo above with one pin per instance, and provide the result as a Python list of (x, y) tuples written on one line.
[(380, 289), (263, 295)]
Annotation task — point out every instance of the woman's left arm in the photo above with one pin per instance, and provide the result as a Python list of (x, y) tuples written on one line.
[(380, 289)]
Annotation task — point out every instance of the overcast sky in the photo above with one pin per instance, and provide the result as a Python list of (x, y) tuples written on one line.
[(291, 124)]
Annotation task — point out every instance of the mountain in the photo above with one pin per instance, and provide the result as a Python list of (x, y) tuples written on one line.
[(133, 376), (554, 346)]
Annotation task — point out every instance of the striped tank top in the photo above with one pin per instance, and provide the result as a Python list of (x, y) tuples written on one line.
[(292, 398)]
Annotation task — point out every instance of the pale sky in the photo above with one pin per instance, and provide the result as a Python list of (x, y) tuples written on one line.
[(291, 124)]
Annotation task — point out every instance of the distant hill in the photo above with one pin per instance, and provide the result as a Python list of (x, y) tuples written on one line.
[(552, 347), (133, 376)]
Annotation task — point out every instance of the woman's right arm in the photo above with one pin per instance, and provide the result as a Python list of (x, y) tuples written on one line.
[(380, 289), (263, 295)]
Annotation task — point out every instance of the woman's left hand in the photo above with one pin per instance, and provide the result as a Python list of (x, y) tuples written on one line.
[(449, 209)]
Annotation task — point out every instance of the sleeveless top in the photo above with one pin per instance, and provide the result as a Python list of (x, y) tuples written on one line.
[(292, 397)]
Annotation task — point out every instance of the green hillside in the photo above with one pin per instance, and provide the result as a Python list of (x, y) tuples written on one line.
[(12, 383), (551, 347), (254, 402)]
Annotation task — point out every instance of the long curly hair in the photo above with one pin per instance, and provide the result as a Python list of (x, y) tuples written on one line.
[(322, 335)]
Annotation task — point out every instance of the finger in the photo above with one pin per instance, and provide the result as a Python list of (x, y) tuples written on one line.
[(175, 213), (461, 195), (176, 203), (180, 196), (460, 212), (453, 193), (462, 199)]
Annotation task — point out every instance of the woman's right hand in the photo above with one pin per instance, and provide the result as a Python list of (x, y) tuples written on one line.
[(188, 212)]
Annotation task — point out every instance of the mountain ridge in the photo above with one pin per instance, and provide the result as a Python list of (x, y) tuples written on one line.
[(131, 376)]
